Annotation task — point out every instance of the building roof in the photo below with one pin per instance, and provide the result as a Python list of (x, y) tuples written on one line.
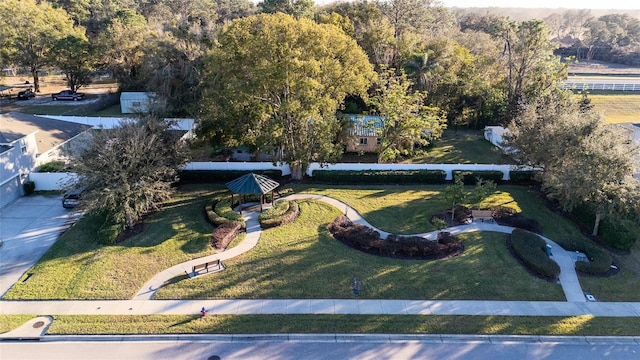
[(365, 125), (49, 133), (252, 184), (136, 95)]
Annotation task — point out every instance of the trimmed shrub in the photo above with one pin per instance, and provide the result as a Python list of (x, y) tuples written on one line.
[(522, 176), (530, 248), (471, 177), (520, 222), (618, 233), (224, 233), (284, 212), (599, 260), (223, 209), (29, 187), (218, 176), (380, 176), (212, 217)]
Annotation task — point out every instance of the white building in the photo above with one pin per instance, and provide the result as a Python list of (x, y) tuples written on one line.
[(136, 102)]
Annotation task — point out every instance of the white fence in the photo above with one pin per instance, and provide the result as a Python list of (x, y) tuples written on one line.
[(600, 86), (52, 181), (111, 122), (57, 181)]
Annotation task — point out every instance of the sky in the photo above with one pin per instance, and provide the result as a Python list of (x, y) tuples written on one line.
[(554, 4)]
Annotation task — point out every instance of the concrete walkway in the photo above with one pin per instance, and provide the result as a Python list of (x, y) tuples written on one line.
[(322, 306)]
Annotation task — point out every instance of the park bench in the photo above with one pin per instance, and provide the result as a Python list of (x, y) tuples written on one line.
[(482, 215), (213, 264)]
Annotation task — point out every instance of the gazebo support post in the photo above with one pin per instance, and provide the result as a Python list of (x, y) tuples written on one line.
[(261, 200)]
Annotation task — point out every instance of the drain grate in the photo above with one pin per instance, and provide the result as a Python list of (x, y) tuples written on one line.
[(38, 324)]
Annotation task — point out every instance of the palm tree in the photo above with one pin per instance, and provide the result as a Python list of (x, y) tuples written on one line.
[(420, 66)]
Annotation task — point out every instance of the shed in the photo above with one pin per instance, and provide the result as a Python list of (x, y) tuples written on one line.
[(252, 184), (136, 102)]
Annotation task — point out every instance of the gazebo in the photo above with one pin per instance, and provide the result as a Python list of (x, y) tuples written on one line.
[(252, 184)]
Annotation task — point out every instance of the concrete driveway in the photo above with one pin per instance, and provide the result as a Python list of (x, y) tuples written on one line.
[(28, 228)]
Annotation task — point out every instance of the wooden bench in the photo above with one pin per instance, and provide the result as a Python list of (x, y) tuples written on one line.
[(482, 215), (217, 264)]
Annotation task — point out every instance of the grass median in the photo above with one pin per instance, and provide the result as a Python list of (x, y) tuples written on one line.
[(347, 324)]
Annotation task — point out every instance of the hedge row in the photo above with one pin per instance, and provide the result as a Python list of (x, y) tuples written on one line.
[(380, 176), (282, 213), (530, 248), (217, 176), (471, 177), (522, 176), (224, 233)]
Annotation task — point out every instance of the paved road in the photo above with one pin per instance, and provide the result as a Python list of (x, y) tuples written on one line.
[(29, 227), (202, 348)]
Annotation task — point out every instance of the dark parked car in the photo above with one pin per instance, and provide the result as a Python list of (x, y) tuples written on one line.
[(67, 95), (71, 199), (26, 94)]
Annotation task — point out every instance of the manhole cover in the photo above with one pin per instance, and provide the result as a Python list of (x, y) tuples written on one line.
[(214, 357), (38, 324)]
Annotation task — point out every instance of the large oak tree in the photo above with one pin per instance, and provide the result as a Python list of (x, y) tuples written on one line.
[(275, 83), (30, 30)]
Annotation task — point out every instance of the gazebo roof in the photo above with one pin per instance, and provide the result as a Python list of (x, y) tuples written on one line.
[(252, 184)]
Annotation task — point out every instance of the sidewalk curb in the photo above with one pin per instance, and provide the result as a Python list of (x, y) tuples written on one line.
[(341, 338)]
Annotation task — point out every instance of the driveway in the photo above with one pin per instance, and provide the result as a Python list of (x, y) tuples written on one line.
[(28, 228)]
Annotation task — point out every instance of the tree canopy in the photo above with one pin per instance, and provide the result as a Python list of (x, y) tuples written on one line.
[(275, 82), (29, 32), (128, 171)]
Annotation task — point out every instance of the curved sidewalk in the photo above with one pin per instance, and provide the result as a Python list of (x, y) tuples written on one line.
[(568, 277), (251, 239)]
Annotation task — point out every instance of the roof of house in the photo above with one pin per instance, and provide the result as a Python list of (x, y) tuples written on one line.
[(49, 132), (365, 125), (136, 95), (252, 184)]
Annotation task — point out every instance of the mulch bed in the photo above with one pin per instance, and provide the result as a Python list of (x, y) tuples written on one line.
[(367, 240)]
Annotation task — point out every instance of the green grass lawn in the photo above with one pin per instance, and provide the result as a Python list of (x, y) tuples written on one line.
[(303, 260), (77, 267), (618, 107), (350, 324), (462, 147)]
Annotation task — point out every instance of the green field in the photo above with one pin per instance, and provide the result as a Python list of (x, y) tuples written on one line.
[(618, 107)]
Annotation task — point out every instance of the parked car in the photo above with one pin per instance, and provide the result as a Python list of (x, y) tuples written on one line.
[(71, 198), (68, 95), (26, 94)]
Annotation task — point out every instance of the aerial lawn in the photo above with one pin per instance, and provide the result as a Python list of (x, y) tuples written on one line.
[(302, 260), (618, 107), (461, 146)]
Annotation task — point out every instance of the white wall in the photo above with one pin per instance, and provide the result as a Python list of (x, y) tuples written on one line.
[(52, 181)]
